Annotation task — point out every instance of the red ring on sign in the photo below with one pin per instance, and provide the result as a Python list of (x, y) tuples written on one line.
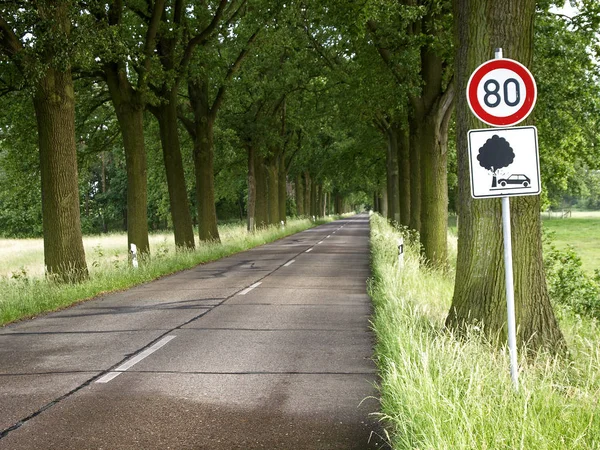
[(530, 89)]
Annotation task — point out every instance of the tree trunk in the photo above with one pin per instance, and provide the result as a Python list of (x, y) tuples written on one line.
[(262, 189), (273, 193), (479, 295), (204, 160), (431, 114), (205, 184), (393, 182), (404, 175), (169, 136), (54, 103), (320, 201), (415, 176), (282, 193), (434, 195), (384, 203), (130, 114), (307, 194), (314, 198), (251, 190), (299, 196), (338, 204)]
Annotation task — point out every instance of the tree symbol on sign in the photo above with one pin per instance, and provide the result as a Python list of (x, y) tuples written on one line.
[(495, 154)]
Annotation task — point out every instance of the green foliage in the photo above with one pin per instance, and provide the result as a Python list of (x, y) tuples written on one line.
[(20, 184), (568, 108), (569, 286)]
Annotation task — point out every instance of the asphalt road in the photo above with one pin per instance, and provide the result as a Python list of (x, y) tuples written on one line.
[(267, 349)]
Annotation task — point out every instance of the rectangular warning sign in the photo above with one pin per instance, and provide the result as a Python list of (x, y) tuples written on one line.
[(504, 162)]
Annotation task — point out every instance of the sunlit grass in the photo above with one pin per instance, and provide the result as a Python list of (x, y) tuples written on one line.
[(26, 294), (441, 392)]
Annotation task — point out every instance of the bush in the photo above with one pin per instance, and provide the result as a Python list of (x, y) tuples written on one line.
[(568, 285)]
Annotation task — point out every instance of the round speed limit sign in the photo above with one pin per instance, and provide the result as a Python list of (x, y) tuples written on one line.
[(501, 92)]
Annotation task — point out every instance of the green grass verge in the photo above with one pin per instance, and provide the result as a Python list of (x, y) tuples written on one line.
[(440, 392), (26, 296)]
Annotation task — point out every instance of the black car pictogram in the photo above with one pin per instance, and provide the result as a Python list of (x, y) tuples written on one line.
[(515, 179)]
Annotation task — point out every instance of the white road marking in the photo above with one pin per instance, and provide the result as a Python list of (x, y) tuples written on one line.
[(329, 236), (133, 361), (308, 251), (289, 263), (255, 285), (320, 242)]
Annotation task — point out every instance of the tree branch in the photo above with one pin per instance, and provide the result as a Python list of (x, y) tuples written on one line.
[(150, 43), (204, 35), (9, 40), (188, 124), (231, 72), (384, 53)]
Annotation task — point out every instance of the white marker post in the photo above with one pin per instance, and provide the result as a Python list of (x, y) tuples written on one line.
[(508, 274), (401, 252), (134, 259)]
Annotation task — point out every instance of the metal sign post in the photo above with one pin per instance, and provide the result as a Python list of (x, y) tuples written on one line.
[(504, 162), (510, 294), (510, 290)]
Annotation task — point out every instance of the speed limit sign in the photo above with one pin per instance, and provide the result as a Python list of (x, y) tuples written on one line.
[(501, 92)]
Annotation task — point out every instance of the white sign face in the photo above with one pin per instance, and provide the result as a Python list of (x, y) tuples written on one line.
[(501, 92), (504, 162)]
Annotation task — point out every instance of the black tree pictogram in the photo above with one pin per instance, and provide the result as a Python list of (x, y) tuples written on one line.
[(495, 154)]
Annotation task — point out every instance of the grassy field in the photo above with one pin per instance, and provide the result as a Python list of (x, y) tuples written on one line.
[(26, 256), (441, 392), (582, 232), (25, 292)]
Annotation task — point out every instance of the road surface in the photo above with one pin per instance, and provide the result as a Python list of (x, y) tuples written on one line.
[(266, 349)]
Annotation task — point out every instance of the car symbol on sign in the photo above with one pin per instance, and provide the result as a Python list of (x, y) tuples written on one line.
[(515, 179)]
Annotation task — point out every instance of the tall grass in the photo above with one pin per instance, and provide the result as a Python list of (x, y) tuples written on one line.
[(23, 295), (441, 392)]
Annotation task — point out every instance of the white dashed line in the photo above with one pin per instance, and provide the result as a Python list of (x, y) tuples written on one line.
[(289, 263), (308, 251), (133, 361), (328, 237), (320, 242), (248, 289)]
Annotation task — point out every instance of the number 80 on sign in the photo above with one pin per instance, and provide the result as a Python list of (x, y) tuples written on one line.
[(501, 92)]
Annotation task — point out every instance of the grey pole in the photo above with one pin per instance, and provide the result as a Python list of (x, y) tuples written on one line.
[(508, 273)]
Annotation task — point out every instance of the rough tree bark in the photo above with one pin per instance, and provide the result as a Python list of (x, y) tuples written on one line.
[(393, 182), (282, 189), (262, 206), (431, 115), (166, 114), (404, 174), (204, 117), (129, 108), (479, 295), (415, 177), (54, 103), (273, 191), (299, 195), (307, 194), (251, 189)]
